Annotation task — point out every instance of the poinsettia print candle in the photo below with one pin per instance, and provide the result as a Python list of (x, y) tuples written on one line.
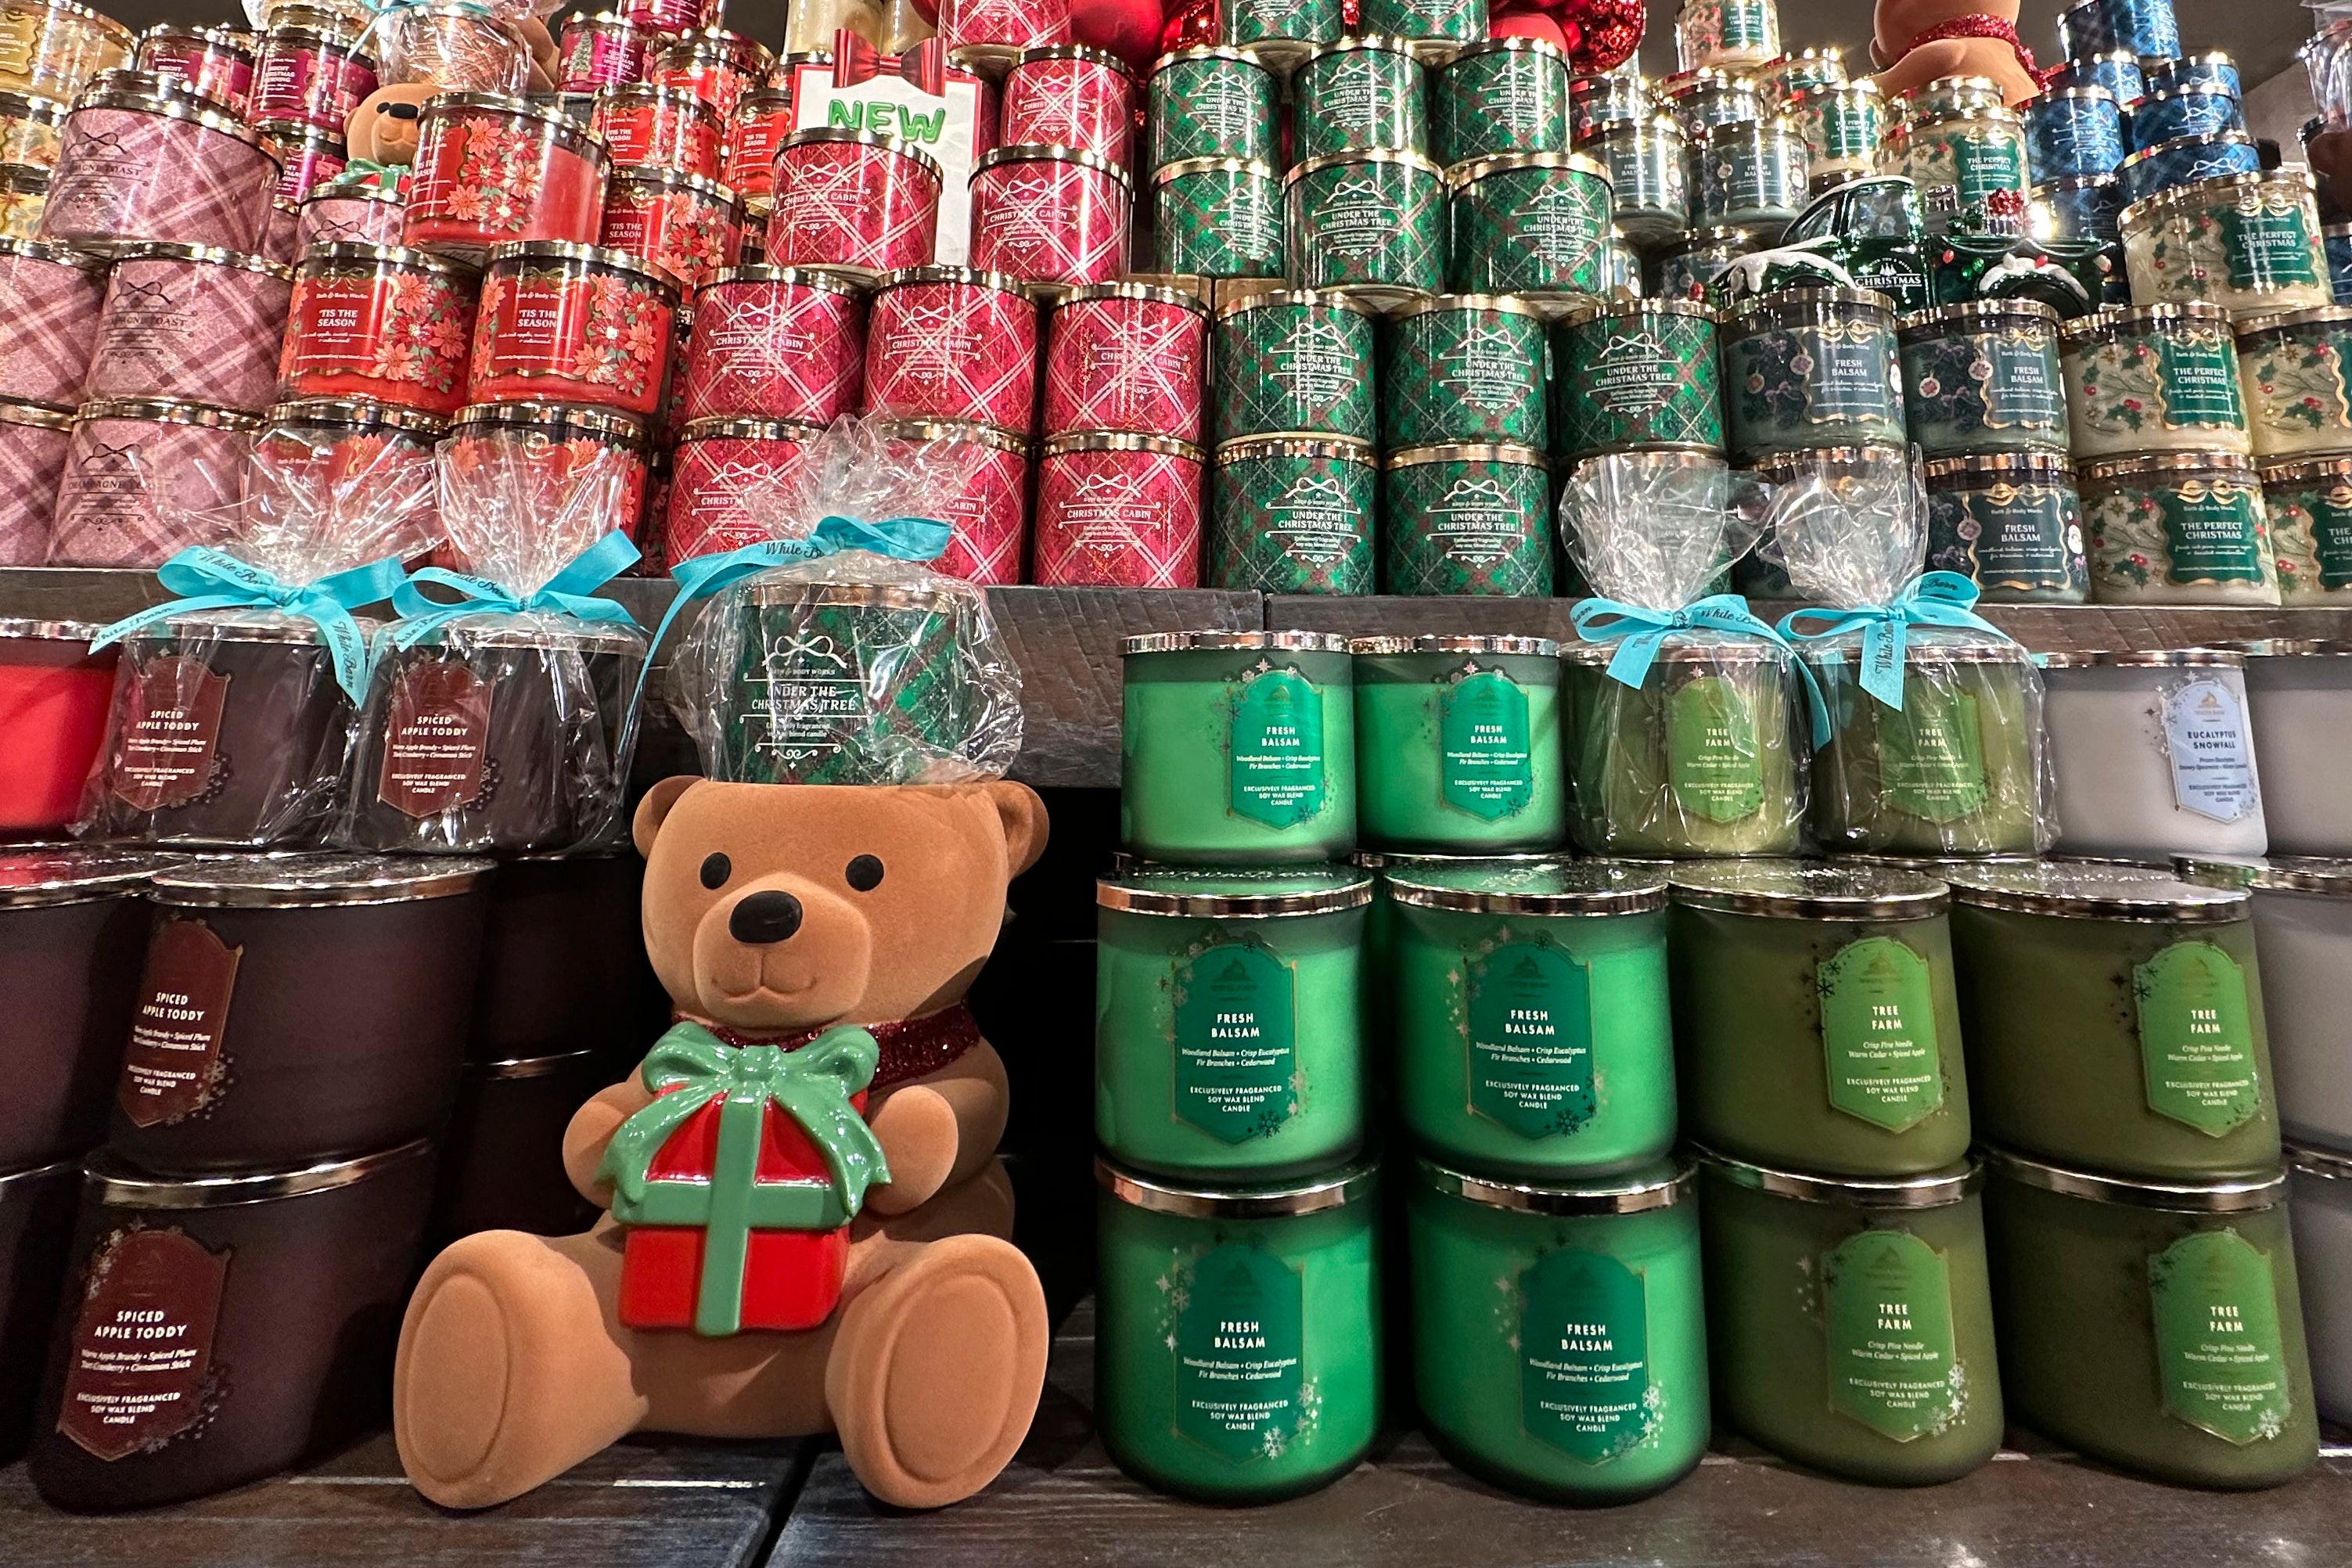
[(649, 127), (762, 118), (381, 323), (572, 323), (134, 166), (948, 343), (717, 66), (853, 202), (1050, 215), (559, 443), (190, 324), (1126, 356), (690, 229), (1119, 511), (775, 343), (493, 170), (49, 296), (1070, 95), (988, 514)]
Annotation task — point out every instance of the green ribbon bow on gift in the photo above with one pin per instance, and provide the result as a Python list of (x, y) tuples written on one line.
[(690, 1069)]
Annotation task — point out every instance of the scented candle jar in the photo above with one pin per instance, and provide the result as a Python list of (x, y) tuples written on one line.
[(1371, 224), (37, 1211), (1852, 1320), (1466, 520), (186, 323), (350, 210), (1282, 33), (2184, 528), (455, 45), (2215, 71), (775, 343), (30, 129), (2090, 210), (1816, 1016), (2337, 240), (314, 75), (2171, 113), (2309, 508), (1684, 269), (2320, 1183), (1218, 217), (1532, 1029), (1529, 223), (1293, 362), (54, 697), (75, 932), (2012, 523), (1254, 1371), (1729, 34), (1118, 510), (1983, 376), (1228, 1023), (2248, 243), (33, 445), (1812, 367), (649, 127), (2297, 381), (2155, 1327), (600, 50), (1599, 100), (1648, 177), (1974, 157), (762, 118), (1126, 356), (501, 1165), (1465, 368), (1359, 92), (724, 467), (988, 517), (493, 170), (2074, 132), (1070, 95), (572, 323), (134, 166), (563, 966), (949, 342), (852, 202), (717, 66), (1459, 743), (2157, 378), (381, 323), (2154, 755), (311, 160), (688, 228), (106, 514), (24, 193), (1799, 70), (1750, 172), (1239, 748), (2114, 1020), (283, 1287), (1636, 376), (377, 456), (671, 16), (1051, 216), (1500, 95), (1843, 126), (1210, 102), (1708, 96), (54, 47), (2299, 696), (1294, 515)]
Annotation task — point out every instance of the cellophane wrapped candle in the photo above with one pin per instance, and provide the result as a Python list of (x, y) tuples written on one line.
[(457, 46)]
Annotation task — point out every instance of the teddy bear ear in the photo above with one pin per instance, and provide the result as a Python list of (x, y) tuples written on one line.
[(654, 809), (1024, 815)]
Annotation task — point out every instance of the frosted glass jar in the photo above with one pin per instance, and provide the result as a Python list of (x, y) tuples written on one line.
[(2300, 694), (2154, 753), (2320, 1209)]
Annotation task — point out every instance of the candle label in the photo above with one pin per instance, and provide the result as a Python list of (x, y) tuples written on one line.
[(2197, 1038), (2268, 243), (1484, 764), (1238, 1337), (1713, 765), (2219, 1353), (2020, 539), (1584, 1349), (1236, 1063), (1276, 746), (1651, 378), (2184, 379), (1294, 367), (171, 1068), (139, 1371), (1886, 1317), (1529, 1026), (1878, 1034), (1931, 753), (2213, 530), (164, 753), (2205, 740), (435, 737), (1791, 383)]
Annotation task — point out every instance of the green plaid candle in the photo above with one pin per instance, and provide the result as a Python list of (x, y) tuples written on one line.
[(1211, 102), (1294, 516), (1369, 221), (1467, 519), (1217, 218), (1530, 222), (1359, 92), (1465, 368), (1297, 363), (1505, 95)]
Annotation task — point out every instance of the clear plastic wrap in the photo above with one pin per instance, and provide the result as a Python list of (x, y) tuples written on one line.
[(501, 719), (1936, 744), (454, 46), (1688, 738), (851, 661)]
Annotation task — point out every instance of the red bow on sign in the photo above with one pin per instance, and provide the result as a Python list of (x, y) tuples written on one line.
[(925, 66)]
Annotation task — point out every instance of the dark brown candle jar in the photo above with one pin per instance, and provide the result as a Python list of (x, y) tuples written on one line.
[(37, 1211), (502, 1159), (298, 1009), (563, 962), (217, 1330)]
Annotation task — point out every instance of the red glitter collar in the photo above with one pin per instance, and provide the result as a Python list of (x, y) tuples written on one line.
[(1981, 26), (911, 1047)]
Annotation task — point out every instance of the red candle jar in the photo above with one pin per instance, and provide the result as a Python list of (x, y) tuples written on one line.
[(493, 170), (948, 343), (212, 62), (717, 66), (672, 16), (347, 211), (370, 455), (721, 470), (555, 441), (383, 324), (854, 202), (762, 118), (311, 74), (1119, 511), (990, 35), (32, 441), (190, 324), (49, 298), (54, 698), (604, 51), (106, 515), (308, 158), (989, 512), (134, 166), (775, 343), (690, 228), (572, 323), (1068, 95), (649, 127), (1126, 356), (1049, 214)]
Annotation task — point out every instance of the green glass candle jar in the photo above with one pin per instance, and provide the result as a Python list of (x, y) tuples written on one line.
[(1295, 363), (1533, 1032), (2309, 506), (1217, 218), (1467, 519), (1851, 1322), (1559, 1332), (1210, 101), (2114, 1019), (1812, 367), (1238, 748), (1294, 515), (2154, 1326), (2011, 522), (1458, 744), (1817, 1018), (1237, 1332), (1637, 376), (1504, 95), (1465, 368), (1228, 1033), (1357, 93), (1534, 224), (1982, 377), (1370, 224)]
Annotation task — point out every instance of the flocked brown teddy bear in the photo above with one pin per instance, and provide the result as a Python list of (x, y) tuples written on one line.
[(773, 913), (1920, 41)]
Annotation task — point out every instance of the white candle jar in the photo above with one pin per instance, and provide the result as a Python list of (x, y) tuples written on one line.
[(2154, 755), (2319, 1208), (2300, 696)]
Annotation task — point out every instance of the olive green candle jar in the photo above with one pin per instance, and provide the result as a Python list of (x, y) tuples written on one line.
[(1852, 1323), (2114, 1020), (2154, 1326), (1560, 1333), (1816, 1016), (1459, 743), (1533, 1033), (1238, 748), (1229, 1020), (1237, 1332)]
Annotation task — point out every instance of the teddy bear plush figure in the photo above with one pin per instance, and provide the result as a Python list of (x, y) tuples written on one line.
[(817, 942), (1920, 41)]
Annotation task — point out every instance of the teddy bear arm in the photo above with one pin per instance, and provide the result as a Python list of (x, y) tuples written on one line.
[(1958, 57), (592, 1128), (940, 1129)]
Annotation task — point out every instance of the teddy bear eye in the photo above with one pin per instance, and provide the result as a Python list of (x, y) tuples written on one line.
[(864, 873), (715, 870)]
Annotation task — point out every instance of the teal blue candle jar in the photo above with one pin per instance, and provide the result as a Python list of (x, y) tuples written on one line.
[(1238, 748), (1237, 1332), (1560, 1333), (1458, 744), (1228, 1019), (1533, 1032)]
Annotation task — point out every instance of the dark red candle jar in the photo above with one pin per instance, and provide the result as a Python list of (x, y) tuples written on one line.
[(223, 1329), (559, 441), (598, 51), (762, 118), (717, 66), (49, 296), (37, 1213), (672, 16), (1049, 214), (721, 470), (564, 964), (949, 342), (54, 698), (857, 203), (136, 166), (373, 456), (350, 210), (312, 72), (690, 229), (33, 443), (191, 324), (1070, 95), (1126, 356), (990, 35), (117, 454), (492, 171), (211, 62), (308, 158), (989, 512), (1119, 511), (775, 343), (572, 323), (379, 323), (502, 1159), (649, 127)]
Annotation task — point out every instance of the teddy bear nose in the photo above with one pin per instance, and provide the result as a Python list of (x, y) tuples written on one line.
[(764, 918)]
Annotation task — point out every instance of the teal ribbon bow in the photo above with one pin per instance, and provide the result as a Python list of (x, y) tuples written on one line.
[(1937, 599), (568, 593), (1640, 633), (209, 579), (691, 1068)]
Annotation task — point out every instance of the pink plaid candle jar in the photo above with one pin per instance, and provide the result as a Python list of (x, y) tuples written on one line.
[(107, 514), (762, 118), (775, 343), (690, 227), (311, 75), (308, 158), (1126, 356), (1069, 95), (989, 511), (184, 323), (948, 343), (350, 212), (649, 127), (853, 202), (33, 442), (495, 170), (1049, 214), (719, 473), (1119, 511), (49, 298), (139, 166), (212, 62), (717, 66), (989, 36), (604, 51)]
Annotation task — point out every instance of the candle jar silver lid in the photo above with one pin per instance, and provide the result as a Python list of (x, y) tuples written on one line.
[(2097, 891), (1241, 893), (1539, 886), (2326, 1164), (259, 882), (1307, 1194), (1236, 642), (1930, 1190), (34, 878), (1525, 647), (2228, 1195), (2270, 874), (1658, 1187), (1808, 889)]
